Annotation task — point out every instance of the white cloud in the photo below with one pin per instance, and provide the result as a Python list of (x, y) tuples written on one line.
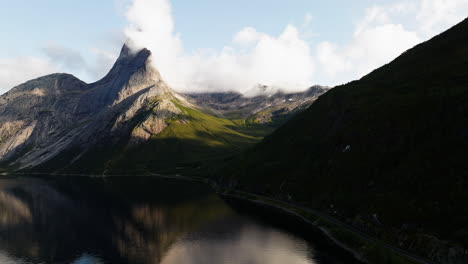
[(434, 16), (65, 57), (282, 62), (151, 26), (71, 60), (383, 34), (14, 71), (104, 60), (287, 61), (247, 36), (17, 70), (371, 47), (331, 58)]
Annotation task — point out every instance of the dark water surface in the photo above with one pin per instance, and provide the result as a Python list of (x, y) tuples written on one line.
[(140, 220)]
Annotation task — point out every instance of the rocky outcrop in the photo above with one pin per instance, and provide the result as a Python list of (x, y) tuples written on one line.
[(58, 119), (155, 122), (50, 115), (38, 112), (260, 108)]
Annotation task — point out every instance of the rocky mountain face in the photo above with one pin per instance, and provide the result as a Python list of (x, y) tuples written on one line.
[(57, 121), (259, 109), (45, 117)]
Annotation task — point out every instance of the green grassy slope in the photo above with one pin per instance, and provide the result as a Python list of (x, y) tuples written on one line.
[(191, 140), (391, 147)]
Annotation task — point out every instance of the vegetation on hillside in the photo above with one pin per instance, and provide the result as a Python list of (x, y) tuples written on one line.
[(387, 152), (190, 141)]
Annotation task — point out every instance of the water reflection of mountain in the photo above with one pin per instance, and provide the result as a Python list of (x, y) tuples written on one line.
[(56, 221), (132, 221)]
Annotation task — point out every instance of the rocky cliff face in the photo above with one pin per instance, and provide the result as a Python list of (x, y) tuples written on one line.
[(258, 109), (46, 116), (60, 120)]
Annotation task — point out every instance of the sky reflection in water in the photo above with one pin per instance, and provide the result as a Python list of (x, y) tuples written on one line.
[(90, 221)]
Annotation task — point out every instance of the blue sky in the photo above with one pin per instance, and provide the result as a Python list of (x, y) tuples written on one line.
[(332, 19), (28, 24), (344, 39)]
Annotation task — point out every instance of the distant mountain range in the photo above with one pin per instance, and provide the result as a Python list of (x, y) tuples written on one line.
[(261, 109), (131, 121), (387, 154)]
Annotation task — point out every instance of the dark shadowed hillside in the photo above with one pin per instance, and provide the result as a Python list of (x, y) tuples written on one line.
[(387, 153)]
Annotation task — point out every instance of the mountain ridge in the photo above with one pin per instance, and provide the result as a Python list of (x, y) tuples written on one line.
[(105, 106), (60, 123)]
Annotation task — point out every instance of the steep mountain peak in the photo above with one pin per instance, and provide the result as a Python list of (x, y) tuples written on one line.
[(128, 63), (57, 120), (131, 74), (128, 56)]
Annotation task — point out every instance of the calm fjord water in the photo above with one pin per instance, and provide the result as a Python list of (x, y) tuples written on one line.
[(138, 220)]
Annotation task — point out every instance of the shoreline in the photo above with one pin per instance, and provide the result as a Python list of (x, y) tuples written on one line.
[(353, 241), (304, 219), (363, 245)]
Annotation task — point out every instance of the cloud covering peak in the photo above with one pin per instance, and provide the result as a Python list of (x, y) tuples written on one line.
[(292, 60), (287, 62), (252, 58)]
